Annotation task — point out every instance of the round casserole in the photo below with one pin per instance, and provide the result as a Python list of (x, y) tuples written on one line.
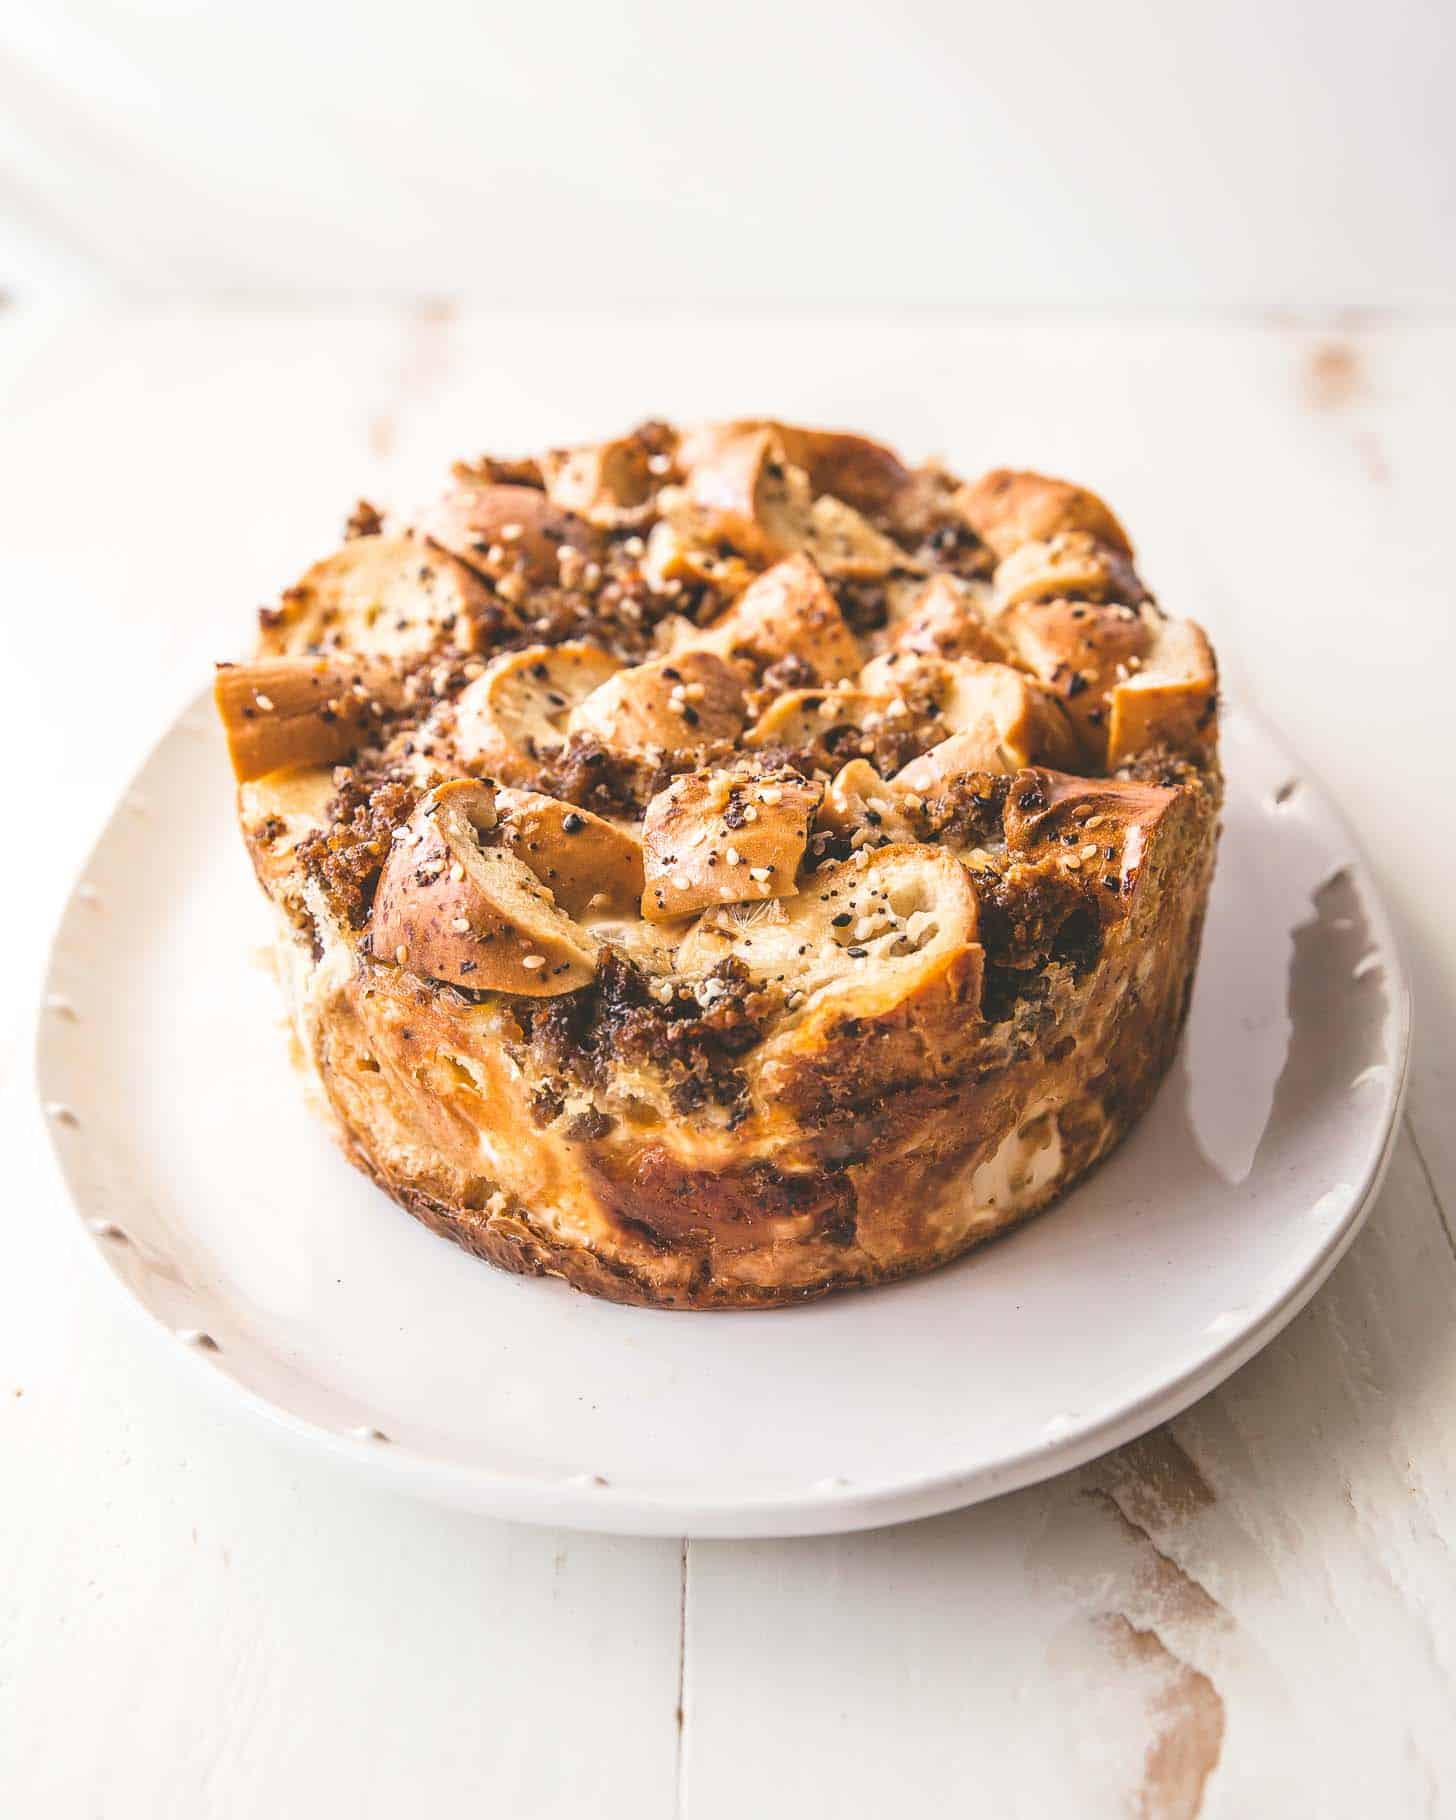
[(721, 866)]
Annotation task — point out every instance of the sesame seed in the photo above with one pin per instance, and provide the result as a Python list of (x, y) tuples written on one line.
[(733, 857), (532, 961), (771, 794), (634, 546), (1090, 850), (596, 900), (659, 464), (750, 814), (760, 872), (461, 925), (401, 954), (509, 533), (681, 882), (263, 701)]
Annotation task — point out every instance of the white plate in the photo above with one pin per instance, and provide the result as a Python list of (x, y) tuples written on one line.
[(217, 1200)]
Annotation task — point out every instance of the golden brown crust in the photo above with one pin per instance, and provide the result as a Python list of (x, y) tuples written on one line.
[(1008, 508), (778, 873), (284, 713), (495, 529)]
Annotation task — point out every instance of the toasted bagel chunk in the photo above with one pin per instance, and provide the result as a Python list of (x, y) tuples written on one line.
[(882, 953), (992, 717), (845, 545), (788, 612), (669, 704), (1072, 565), (864, 474), (723, 866), (858, 801), (517, 712), (1107, 826), (946, 620), (590, 865), (285, 712), (1008, 508), (744, 490), (386, 596), (801, 717), (1081, 650), (609, 484), (1170, 700), (450, 907), (679, 554), (725, 837), (503, 529)]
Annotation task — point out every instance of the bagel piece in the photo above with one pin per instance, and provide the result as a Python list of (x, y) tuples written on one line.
[(388, 596), (668, 704), (721, 866), (452, 907), (788, 614), (946, 619), (593, 867), (498, 529), (516, 714), (717, 836), (281, 713)]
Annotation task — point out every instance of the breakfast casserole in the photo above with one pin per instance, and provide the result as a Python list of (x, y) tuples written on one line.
[(724, 865)]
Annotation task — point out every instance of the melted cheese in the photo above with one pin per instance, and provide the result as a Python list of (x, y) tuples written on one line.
[(1021, 1169)]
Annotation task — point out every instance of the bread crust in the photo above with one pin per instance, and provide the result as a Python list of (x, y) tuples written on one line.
[(950, 989)]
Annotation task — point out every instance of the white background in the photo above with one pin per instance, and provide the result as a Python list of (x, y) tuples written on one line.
[(1199, 257), (1270, 154)]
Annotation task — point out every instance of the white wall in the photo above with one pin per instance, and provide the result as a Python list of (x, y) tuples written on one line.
[(1103, 153)]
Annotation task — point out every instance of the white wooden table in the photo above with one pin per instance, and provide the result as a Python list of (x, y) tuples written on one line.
[(1250, 1612)]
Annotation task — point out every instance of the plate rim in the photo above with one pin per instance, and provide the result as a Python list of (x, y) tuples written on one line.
[(562, 1502)]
